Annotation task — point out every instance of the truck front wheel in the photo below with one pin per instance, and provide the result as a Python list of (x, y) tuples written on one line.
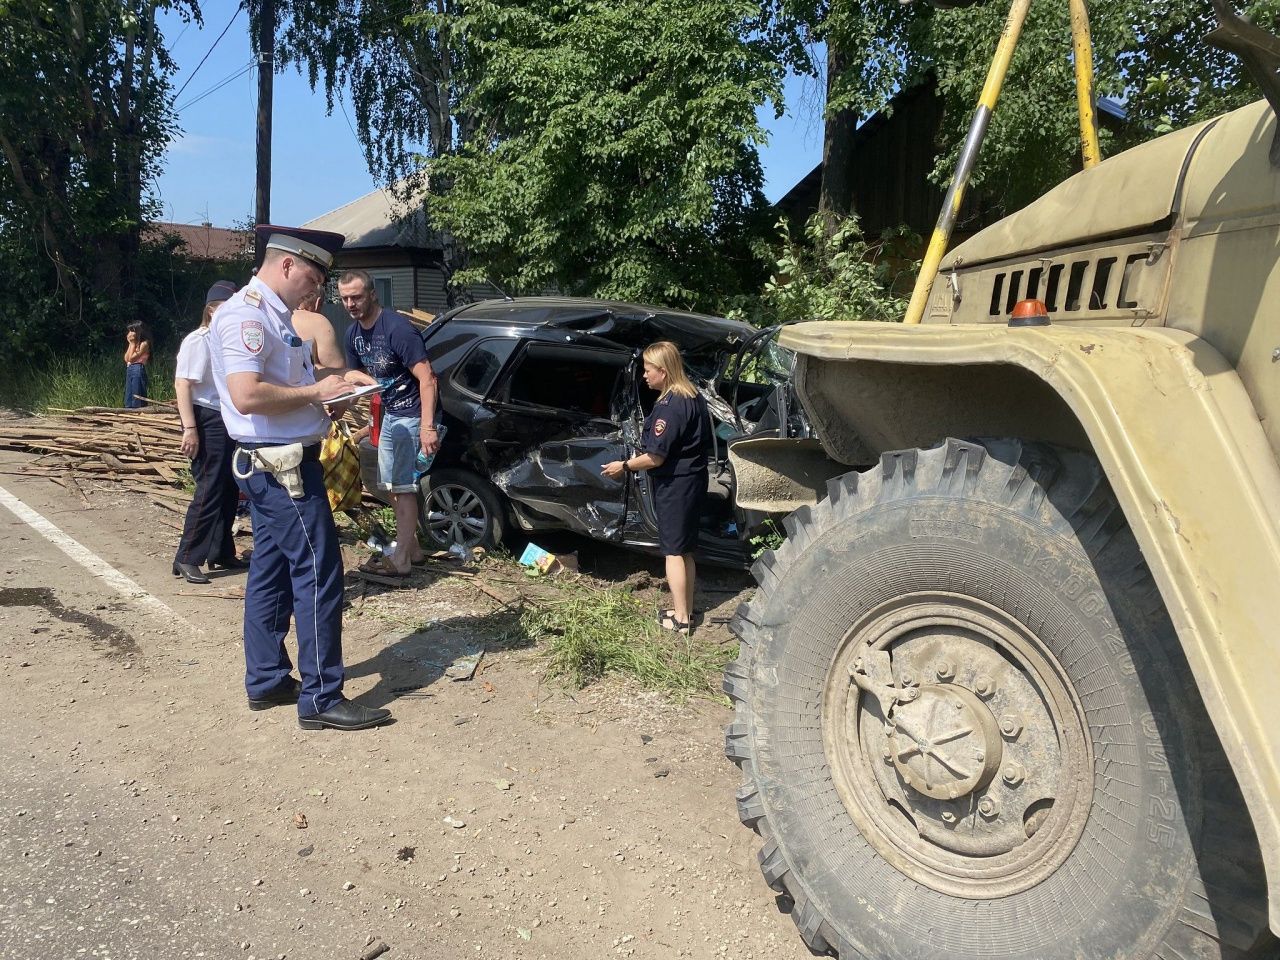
[(968, 729)]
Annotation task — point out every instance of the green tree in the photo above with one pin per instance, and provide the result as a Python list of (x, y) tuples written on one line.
[(402, 60), (85, 116), (1150, 53), (833, 272), (615, 151)]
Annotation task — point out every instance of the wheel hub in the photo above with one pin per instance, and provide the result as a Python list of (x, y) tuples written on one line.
[(455, 515), (956, 745), (945, 743)]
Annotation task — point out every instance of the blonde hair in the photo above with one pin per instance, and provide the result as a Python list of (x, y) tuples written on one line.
[(209, 309), (665, 355)]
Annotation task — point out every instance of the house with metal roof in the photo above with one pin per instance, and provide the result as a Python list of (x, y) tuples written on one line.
[(392, 240)]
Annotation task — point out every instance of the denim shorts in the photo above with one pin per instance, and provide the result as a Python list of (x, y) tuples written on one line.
[(398, 444)]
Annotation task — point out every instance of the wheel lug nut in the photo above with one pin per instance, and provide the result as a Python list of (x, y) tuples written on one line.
[(1010, 726), (948, 816), (945, 669), (984, 686), (1013, 774), (887, 753), (987, 807)]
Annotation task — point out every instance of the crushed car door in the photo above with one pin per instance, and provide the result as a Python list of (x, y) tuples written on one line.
[(760, 389), (554, 426)]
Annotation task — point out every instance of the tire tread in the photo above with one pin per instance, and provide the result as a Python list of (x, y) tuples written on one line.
[(1025, 477)]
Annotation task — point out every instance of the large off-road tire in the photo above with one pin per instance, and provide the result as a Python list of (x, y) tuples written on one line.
[(460, 508), (968, 729)]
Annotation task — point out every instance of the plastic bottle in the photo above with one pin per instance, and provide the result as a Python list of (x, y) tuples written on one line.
[(424, 461)]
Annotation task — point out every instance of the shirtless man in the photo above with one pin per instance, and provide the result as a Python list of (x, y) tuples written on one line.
[(313, 325)]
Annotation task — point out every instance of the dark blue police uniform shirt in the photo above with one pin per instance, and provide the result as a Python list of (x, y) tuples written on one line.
[(387, 351), (677, 429)]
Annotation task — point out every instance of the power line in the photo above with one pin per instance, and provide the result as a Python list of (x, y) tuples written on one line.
[(239, 7), (181, 34), (218, 86)]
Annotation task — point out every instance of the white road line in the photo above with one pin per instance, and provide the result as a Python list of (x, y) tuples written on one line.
[(91, 561)]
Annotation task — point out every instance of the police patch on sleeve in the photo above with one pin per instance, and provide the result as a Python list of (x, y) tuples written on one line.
[(251, 335), (659, 428)]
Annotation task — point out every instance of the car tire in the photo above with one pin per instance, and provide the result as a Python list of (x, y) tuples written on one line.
[(460, 508), (1080, 807)]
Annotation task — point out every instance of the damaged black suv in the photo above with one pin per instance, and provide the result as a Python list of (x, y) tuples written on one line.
[(538, 393)]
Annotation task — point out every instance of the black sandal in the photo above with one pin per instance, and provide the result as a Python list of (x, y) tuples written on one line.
[(668, 622), (695, 618)]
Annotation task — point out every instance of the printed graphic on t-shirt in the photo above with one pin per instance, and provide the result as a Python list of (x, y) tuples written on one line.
[(387, 351)]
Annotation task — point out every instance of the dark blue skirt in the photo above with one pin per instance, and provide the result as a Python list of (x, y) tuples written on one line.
[(677, 501)]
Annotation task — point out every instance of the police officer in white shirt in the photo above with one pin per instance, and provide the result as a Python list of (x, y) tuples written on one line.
[(206, 533), (274, 411)]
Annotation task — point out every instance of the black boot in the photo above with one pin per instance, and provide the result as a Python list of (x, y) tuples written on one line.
[(190, 571)]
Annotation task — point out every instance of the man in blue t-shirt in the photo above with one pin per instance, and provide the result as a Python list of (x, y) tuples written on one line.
[(388, 347)]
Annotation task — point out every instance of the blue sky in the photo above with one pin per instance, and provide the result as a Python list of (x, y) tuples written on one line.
[(316, 160)]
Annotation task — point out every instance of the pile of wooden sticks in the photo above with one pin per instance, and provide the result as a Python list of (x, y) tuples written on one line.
[(136, 448)]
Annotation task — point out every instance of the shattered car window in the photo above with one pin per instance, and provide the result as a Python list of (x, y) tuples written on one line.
[(482, 365), (571, 379)]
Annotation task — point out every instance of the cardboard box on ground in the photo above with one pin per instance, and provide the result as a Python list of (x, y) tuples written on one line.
[(547, 563)]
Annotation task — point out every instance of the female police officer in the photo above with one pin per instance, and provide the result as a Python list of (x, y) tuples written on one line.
[(673, 448), (272, 407)]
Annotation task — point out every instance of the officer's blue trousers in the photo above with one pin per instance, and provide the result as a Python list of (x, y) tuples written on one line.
[(296, 571)]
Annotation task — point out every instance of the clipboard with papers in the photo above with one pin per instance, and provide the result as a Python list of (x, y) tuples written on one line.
[(356, 393)]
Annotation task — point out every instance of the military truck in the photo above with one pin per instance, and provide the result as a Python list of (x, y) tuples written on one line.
[(1012, 689)]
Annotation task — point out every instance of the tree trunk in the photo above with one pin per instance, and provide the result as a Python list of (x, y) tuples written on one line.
[(836, 198)]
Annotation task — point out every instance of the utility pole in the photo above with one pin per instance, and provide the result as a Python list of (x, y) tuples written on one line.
[(266, 75)]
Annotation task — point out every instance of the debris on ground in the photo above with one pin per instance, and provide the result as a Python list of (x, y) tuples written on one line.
[(464, 668), (139, 449), (547, 563), (136, 448)]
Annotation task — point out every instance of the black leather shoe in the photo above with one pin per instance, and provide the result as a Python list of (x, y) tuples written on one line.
[(235, 563), (345, 715), (286, 693), (190, 571)]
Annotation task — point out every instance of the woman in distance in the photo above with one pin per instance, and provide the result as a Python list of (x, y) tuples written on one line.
[(673, 449)]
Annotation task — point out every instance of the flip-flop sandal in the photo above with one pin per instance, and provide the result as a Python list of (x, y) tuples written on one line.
[(380, 568), (667, 622)]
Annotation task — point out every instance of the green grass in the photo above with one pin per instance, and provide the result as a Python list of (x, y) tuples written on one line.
[(72, 382), (591, 633)]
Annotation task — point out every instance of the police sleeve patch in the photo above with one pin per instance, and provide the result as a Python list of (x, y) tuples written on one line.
[(251, 335), (659, 428)]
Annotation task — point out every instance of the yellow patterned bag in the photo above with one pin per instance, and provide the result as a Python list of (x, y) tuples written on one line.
[(341, 463)]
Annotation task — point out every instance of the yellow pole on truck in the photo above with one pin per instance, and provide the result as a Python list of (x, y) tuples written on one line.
[(968, 156), (1083, 44)]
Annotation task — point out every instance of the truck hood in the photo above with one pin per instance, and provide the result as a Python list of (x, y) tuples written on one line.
[(1126, 194)]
